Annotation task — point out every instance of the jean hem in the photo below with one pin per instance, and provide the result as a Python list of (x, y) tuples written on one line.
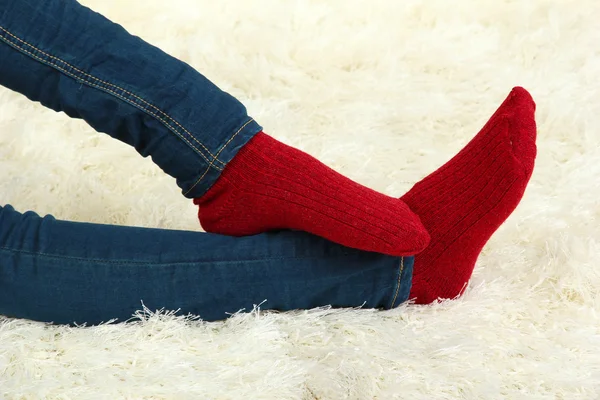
[(401, 291), (225, 154)]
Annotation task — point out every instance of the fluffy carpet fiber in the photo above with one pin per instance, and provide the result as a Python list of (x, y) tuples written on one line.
[(384, 92)]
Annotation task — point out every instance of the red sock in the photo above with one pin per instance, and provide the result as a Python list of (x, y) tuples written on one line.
[(466, 200), (269, 186)]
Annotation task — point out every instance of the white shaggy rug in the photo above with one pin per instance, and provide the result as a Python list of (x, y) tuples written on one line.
[(385, 92)]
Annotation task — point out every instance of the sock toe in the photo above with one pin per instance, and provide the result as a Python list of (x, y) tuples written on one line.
[(523, 129), (520, 97), (421, 238), (518, 104)]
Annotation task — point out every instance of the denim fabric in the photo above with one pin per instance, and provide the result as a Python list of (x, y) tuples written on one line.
[(67, 272), (74, 60)]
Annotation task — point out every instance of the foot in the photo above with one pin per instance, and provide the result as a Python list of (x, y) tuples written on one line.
[(269, 186), (465, 201)]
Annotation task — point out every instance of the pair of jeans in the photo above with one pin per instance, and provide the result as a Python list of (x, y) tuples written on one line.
[(74, 60)]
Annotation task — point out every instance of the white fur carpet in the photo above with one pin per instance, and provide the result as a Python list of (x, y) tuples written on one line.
[(385, 92)]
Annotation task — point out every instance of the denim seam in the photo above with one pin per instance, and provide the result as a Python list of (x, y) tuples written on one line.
[(218, 153), (398, 282), (104, 261), (75, 76)]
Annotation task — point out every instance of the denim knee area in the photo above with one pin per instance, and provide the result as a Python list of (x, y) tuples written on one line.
[(74, 60)]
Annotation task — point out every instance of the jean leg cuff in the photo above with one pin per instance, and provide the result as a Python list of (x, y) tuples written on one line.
[(209, 175), (403, 285)]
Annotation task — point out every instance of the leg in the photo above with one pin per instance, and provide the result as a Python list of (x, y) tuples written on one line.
[(74, 60), (66, 272)]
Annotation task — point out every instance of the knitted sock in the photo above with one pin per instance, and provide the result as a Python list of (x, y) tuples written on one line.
[(269, 185), (465, 201)]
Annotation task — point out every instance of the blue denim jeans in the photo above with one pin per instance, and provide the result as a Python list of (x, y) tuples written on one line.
[(74, 60)]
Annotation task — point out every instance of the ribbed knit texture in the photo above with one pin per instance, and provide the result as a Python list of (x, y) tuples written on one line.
[(269, 185), (465, 201)]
